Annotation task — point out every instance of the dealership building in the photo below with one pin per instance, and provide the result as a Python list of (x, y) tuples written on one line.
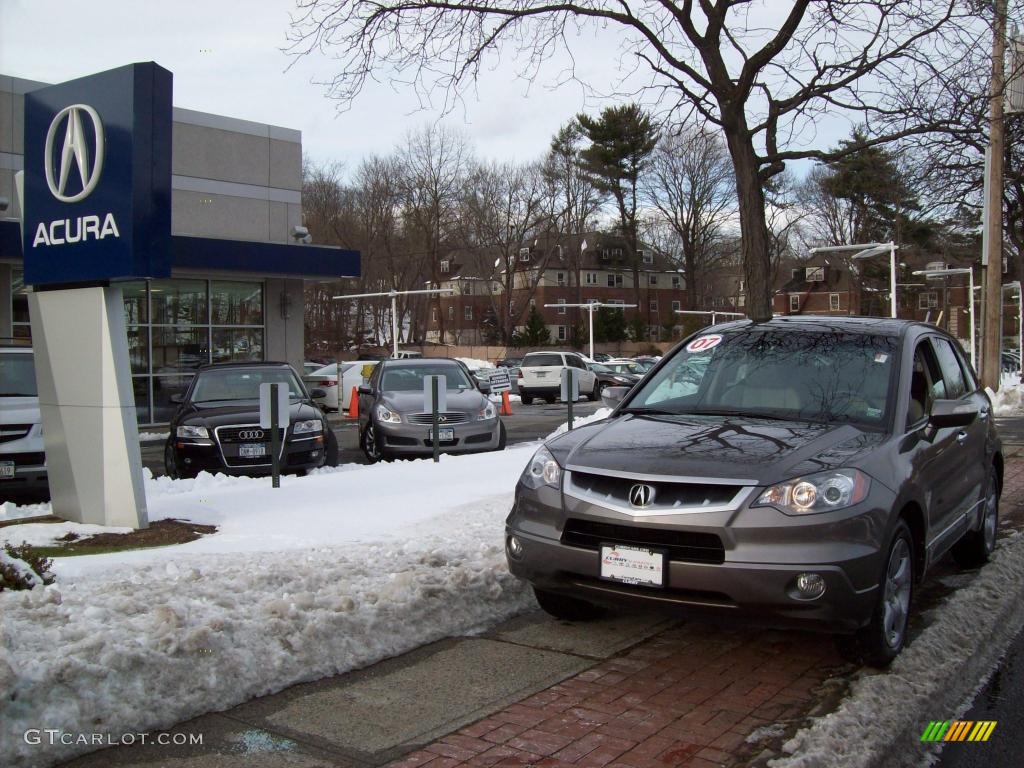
[(238, 260)]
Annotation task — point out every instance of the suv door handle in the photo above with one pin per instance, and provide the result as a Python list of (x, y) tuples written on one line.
[(961, 437)]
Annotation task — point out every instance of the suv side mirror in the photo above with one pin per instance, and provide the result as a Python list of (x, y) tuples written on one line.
[(483, 386), (317, 393), (364, 390), (612, 396), (951, 413)]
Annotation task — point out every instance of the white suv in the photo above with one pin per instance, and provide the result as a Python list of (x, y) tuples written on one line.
[(540, 375), (22, 458)]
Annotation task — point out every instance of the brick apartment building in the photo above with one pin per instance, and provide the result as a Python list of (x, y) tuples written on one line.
[(546, 273)]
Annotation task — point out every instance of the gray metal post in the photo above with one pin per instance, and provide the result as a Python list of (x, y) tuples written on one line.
[(568, 387), (433, 411), (275, 438)]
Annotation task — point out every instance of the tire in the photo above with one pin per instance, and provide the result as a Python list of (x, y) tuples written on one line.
[(526, 399), (331, 450), (596, 394), (551, 400), (171, 464), (566, 608), (502, 437), (368, 442), (878, 643), (976, 547)]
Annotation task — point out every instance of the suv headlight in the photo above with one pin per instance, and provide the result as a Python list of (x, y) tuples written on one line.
[(305, 427), (488, 412), (193, 431), (387, 416), (822, 492), (542, 470)]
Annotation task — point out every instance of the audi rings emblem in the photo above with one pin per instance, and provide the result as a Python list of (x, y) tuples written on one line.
[(251, 434), (641, 495)]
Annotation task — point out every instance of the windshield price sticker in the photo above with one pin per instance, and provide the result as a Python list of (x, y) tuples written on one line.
[(704, 343)]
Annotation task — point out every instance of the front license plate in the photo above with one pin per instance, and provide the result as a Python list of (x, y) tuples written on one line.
[(6, 469), (541, 374), (632, 565), (443, 435), (252, 450)]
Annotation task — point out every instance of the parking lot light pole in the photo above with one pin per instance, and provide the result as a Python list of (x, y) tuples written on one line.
[(866, 251), (935, 273), (592, 307), (393, 295)]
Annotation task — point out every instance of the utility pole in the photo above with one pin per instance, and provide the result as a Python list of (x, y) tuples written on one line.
[(993, 257)]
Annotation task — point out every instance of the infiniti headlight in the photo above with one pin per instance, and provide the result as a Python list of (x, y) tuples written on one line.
[(193, 431), (488, 412), (822, 492), (387, 416), (542, 470), (305, 427)]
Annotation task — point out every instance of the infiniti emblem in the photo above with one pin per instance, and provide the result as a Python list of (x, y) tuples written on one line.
[(75, 148), (641, 495)]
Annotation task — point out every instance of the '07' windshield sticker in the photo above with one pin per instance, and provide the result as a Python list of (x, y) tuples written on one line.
[(704, 343)]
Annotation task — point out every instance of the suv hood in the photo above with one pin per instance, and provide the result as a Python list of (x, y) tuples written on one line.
[(764, 451), (467, 401), (240, 412), (19, 410)]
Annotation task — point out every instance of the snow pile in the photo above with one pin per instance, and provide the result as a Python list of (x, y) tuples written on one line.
[(475, 365), (600, 413), (20, 570), (152, 437), (11, 511), (48, 534), (328, 573), (927, 681), (1009, 400)]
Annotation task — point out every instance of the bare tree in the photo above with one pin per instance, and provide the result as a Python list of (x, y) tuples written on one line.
[(690, 183), (762, 73), (506, 207)]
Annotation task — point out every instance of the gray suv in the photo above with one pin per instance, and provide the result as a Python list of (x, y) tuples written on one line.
[(800, 471)]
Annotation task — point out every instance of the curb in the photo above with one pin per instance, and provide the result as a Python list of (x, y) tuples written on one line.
[(930, 680)]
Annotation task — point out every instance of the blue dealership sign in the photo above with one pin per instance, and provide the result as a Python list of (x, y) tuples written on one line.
[(98, 178)]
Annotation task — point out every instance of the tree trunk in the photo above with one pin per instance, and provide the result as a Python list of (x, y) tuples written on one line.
[(753, 229)]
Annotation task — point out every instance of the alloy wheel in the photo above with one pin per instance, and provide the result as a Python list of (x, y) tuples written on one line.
[(899, 576)]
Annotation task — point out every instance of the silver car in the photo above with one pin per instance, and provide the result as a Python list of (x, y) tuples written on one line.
[(395, 420)]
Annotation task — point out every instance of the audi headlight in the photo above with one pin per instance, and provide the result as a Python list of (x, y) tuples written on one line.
[(822, 492), (193, 431), (488, 412), (387, 416), (305, 427), (542, 470)]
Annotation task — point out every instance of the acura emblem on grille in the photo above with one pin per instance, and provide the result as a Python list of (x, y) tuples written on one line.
[(641, 495), (442, 418), (251, 434)]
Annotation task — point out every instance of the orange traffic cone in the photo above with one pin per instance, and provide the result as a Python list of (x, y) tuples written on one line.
[(506, 404), (353, 404)]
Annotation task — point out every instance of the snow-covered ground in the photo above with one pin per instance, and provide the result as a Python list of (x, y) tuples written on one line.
[(152, 437), (328, 573), (1009, 400)]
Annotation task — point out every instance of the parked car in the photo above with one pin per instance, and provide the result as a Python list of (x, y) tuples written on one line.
[(1010, 361), (541, 376), (512, 364), (813, 476), (601, 357), (394, 420), (338, 394), (405, 354), (646, 362), (309, 366), (608, 377), (625, 366), (216, 426), (22, 456)]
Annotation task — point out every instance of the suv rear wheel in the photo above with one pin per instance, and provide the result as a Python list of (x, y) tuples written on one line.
[(883, 638), (975, 547), (525, 399)]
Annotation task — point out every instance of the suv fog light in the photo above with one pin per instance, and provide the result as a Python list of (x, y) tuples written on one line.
[(810, 585), (514, 547)]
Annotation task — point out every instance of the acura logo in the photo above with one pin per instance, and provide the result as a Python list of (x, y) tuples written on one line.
[(251, 434), (442, 419), (75, 148), (641, 495)]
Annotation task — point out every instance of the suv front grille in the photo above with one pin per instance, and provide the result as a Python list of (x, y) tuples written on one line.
[(667, 497), (684, 546), (25, 459), (11, 432)]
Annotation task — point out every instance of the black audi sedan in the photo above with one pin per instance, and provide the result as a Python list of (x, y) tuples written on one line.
[(804, 470), (216, 427)]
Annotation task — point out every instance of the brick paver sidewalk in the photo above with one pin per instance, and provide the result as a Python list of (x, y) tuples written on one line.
[(690, 697)]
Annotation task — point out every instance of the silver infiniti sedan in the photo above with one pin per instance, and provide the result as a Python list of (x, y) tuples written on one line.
[(396, 421)]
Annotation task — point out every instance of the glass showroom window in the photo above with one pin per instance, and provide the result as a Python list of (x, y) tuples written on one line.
[(20, 329)]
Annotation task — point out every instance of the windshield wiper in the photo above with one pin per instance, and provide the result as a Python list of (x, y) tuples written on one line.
[(16, 394), (644, 411), (742, 414)]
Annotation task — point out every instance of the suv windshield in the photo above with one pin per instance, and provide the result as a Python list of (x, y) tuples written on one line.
[(241, 384), (17, 375), (399, 378), (801, 375)]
